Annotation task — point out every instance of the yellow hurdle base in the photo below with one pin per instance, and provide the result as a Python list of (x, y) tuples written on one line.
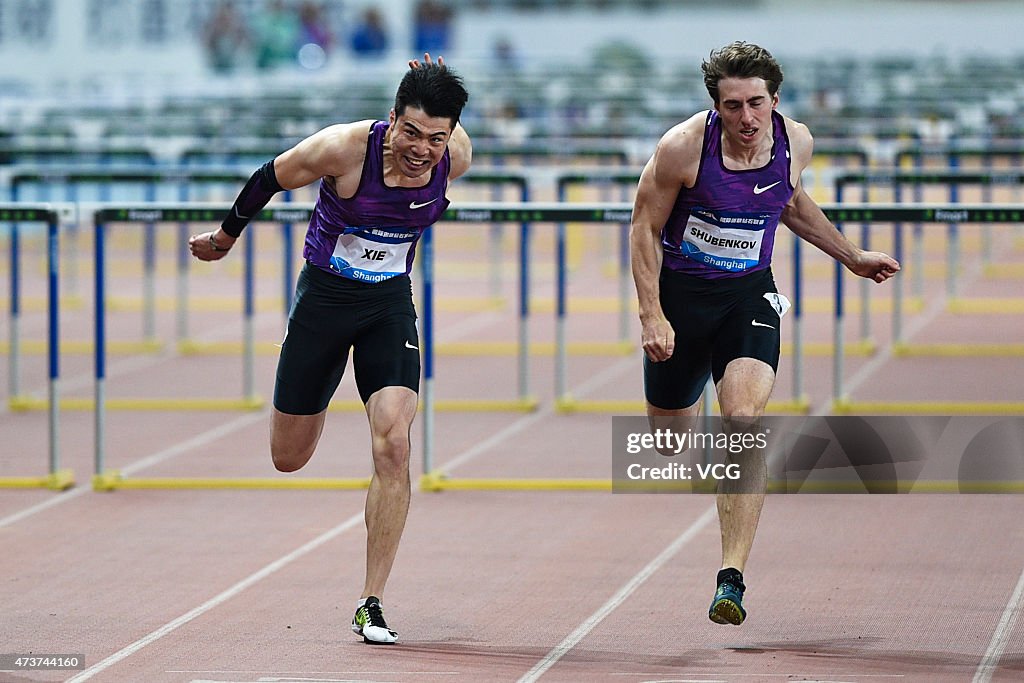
[(36, 347), (515, 405), (952, 350), (1004, 270), (500, 348), (893, 486), (25, 403), (441, 482), (986, 306), (864, 347), (111, 481), (568, 404), (192, 347), (56, 481), (846, 407), (436, 482)]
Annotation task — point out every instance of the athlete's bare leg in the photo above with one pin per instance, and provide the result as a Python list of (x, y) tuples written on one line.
[(678, 421), (743, 393), (390, 411), (293, 438)]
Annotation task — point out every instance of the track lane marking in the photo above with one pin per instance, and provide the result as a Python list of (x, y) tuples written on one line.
[(623, 593), (990, 661), (219, 599)]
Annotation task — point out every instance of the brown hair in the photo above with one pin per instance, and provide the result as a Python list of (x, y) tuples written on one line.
[(741, 60)]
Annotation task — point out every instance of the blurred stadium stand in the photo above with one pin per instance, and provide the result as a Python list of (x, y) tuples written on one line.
[(98, 74)]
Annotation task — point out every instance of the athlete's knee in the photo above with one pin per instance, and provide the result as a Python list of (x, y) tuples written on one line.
[(291, 452), (288, 458), (292, 444), (391, 451), (742, 412), (671, 426)]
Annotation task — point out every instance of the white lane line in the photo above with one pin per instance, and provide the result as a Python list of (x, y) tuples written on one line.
[(308, 677), (804, 677), (223, 597), (197, 441), (990, 662), (57, 499), (623, 593)]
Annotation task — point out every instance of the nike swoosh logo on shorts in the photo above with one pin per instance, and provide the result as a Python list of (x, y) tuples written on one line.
[(758, 189), (410, 346), (417, 205), (757, 324)]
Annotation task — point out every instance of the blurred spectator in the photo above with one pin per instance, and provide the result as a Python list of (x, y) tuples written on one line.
[(314, 37), (433, 27), (224, 37), (370, 36), (313, 27), (506, 59), (277, 30)]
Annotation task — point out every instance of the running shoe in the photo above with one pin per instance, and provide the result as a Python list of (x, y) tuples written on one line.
[(727, 607), (369, 623)]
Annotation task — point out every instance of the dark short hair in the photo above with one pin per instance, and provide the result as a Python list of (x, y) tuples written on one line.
[(435, 89), (741, 60)]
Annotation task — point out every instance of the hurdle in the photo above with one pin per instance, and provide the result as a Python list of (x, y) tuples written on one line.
[(150, 176), (953, 179), (956, 154), (897, 214), (496, 179), (110, 480), (50, 215), (559, 214), (622, 178), (184, 213), (437, 480)]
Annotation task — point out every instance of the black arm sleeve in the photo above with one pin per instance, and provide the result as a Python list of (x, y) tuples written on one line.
[(254, 196)]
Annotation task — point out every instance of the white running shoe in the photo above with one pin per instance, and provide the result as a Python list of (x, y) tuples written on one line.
[(369, 623)]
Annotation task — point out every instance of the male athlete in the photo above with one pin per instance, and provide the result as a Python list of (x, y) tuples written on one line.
[(382, 183), (704, 220)]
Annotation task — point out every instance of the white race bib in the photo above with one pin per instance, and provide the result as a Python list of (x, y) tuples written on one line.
[(372, 254), (721, 247)]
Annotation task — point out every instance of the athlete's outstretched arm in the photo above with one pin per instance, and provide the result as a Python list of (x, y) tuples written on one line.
[(806, 219), (332, 151)]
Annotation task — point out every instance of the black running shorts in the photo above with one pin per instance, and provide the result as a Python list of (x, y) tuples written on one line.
[(332, 315), (715, 321)]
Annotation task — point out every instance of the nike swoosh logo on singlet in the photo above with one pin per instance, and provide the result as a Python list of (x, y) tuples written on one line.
[(758, 189), (417, 205)]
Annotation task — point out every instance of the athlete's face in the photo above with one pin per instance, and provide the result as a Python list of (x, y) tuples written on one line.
[(418, 141), (746, 109)]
